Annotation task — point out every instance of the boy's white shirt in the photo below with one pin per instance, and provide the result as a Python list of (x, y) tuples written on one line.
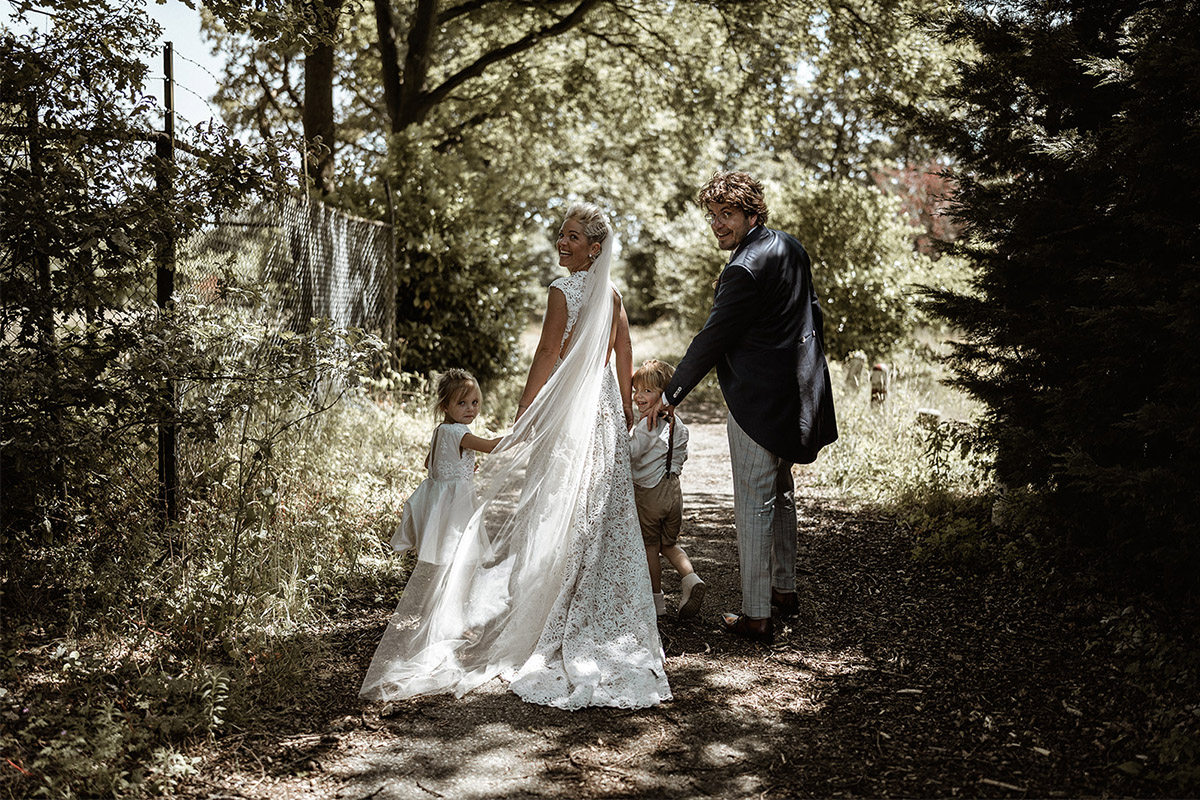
[(648, 452)]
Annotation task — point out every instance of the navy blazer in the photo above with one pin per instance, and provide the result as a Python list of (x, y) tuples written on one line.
[(765, 335)]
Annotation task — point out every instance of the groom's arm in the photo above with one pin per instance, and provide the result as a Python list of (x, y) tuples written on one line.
[(734, 308)]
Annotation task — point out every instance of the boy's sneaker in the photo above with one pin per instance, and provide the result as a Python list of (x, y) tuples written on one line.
[(691, 595), (660, 604)]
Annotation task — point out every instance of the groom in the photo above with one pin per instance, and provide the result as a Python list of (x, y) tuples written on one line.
[(765, 337)]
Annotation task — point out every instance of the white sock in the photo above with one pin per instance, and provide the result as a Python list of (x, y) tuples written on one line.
[(660, 604)]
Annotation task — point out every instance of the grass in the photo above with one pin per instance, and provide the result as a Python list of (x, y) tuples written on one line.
[(885, 452), (109, 701)]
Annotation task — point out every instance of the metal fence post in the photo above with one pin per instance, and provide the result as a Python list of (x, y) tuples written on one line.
[(168, 476), (389, 305), (47, 336)]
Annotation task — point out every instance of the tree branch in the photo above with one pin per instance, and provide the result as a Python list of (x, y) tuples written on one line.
[(461, 9), (430, 99), (475, 5), (289, 90)]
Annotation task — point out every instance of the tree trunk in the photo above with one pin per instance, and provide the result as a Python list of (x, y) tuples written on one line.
[(389, 59), (319, 128), (416, 66)]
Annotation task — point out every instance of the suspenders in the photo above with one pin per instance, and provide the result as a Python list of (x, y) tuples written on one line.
[(670, 445)]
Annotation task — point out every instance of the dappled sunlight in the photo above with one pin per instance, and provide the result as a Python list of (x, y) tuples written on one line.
[(746, 714)]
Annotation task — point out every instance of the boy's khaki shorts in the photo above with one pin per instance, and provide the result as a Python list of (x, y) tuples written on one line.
[(660, 512)]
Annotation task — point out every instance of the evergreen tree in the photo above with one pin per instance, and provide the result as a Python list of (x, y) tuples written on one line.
[(1077, 134)]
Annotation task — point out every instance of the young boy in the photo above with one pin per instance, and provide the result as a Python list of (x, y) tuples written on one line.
[(657, 457)]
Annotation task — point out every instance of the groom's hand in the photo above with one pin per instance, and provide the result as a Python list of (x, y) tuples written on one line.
[(657, 410)]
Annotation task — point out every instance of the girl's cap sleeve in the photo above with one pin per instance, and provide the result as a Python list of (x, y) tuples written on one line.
[(457, 431)]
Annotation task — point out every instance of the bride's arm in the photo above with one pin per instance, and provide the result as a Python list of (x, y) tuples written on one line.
[(624, 356), (553, 326)]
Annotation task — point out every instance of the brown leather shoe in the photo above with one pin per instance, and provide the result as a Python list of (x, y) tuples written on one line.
[(761, 631), (785, 604)]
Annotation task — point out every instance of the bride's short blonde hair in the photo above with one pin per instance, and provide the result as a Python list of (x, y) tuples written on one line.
[(592, 218)]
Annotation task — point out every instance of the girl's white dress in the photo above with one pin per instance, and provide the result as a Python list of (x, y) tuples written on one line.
[(438, 511), (548, 585)]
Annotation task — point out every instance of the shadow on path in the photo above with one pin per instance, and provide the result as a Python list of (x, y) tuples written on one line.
[(896, 680)]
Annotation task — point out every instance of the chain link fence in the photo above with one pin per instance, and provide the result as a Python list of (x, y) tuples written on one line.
[(305, 260), (269, 296)]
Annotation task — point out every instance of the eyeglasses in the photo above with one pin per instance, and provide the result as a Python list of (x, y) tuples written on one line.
[(725, 217)]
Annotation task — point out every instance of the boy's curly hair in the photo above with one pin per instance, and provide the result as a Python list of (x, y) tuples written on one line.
[(736, 189), (653, 374)]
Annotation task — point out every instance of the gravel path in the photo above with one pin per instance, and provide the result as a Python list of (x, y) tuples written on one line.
[(896, 680)]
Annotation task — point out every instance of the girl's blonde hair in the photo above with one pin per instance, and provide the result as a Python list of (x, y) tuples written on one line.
[(653, 374), (451, 385)]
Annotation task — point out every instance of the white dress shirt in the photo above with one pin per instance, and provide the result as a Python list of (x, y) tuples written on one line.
[(648, 451)]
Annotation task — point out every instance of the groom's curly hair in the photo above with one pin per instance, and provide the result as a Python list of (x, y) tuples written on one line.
[(737, 189)]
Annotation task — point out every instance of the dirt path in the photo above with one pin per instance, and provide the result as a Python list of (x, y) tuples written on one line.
[(895, 681)]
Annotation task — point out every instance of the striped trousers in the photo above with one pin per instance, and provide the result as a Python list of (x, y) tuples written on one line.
[(764, 509)]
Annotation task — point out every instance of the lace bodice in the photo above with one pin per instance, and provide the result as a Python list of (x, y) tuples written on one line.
[(572, 288), (447, 461)]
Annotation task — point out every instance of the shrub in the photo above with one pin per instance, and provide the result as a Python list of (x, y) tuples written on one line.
[(864, 263), (463, 294)]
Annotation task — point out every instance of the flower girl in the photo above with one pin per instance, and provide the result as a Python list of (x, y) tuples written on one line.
[(438, 511)]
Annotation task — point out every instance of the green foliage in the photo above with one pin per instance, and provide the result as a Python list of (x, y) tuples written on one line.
[(93, 723), (85, 216), (630, 110), (1078, 192), (671, 270), (864, 263), (463, 295), (271, 529), (1160, 656), (831, 116), (264, 405), (209, 634)]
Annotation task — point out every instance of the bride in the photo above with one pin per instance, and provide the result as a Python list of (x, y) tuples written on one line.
[(548, 586)]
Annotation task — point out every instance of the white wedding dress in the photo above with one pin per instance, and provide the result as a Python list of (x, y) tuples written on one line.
[(548, 586)]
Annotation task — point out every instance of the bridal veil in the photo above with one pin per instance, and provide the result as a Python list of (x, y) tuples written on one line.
[(460, 624)]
